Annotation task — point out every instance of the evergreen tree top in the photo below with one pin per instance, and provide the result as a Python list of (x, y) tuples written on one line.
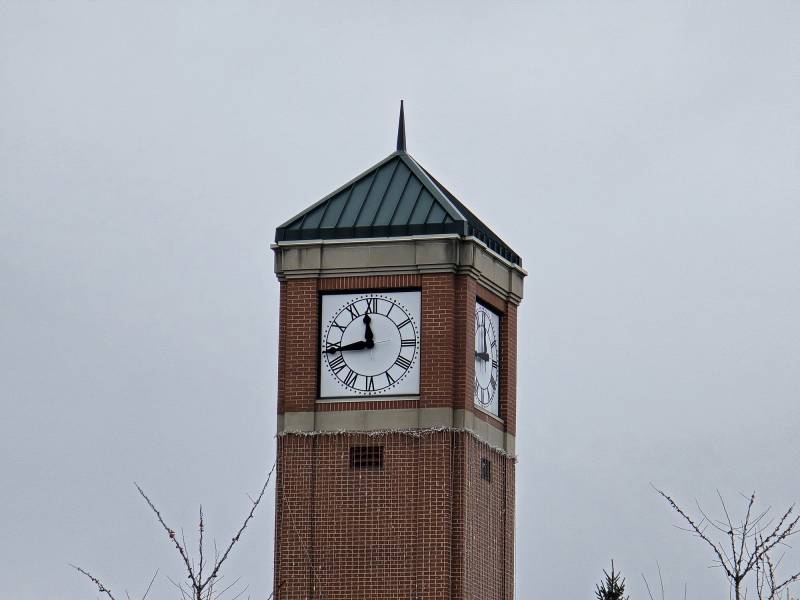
[(613, 587)]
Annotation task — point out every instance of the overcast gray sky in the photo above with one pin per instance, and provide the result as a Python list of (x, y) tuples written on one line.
[(642, 157)]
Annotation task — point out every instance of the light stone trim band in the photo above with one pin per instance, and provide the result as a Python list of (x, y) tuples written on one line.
[(407, 255), (410, 432), (396, 419)]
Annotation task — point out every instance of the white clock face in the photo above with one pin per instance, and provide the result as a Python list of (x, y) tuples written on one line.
[(487, 359), (369, 344)]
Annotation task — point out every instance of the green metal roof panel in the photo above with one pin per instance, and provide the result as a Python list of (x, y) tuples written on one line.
[(396, 197), (313, 218), (394, 193), (408, 200), (423, 206), (377, 194), (355, 202), (436, 215), (333, 210)]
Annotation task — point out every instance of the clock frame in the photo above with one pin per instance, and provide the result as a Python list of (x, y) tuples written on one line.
[(486, 390), (369, 344)]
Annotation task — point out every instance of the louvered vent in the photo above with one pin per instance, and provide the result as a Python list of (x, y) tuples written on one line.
[(486, 469), (366, 457)]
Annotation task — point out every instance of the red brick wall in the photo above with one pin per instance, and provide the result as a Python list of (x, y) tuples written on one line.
[(488, 523), (366, 405), (464, 344), (508, 395), (298, 345), (426, 526), (436, 344), (293, 523)]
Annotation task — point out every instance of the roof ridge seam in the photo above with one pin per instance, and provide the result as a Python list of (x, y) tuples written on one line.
[(432, 187), (481, 227)]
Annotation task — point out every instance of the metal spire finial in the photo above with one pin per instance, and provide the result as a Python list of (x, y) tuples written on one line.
[(401, 131)]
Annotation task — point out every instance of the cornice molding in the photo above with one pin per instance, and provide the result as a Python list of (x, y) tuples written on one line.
[(449, 253)]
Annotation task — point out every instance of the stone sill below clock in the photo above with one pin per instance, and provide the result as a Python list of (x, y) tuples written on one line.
[(397, 413)]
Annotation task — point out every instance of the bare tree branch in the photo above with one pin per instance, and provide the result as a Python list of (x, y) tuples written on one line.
[(147, 591), (198, 588), (102, 588), (697, 531), (171, 534), (243, 527), (201, 526), (184, 593), (748, 558)]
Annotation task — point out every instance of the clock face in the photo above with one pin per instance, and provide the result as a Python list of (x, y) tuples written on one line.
[(487, 359), (370, 344)]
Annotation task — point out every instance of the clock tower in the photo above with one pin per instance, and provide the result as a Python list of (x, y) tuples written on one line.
[(396, 394)]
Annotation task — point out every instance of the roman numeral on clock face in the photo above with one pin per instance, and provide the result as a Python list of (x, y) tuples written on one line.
[(351, 378), (353, 310), (408, 343), (370, 383), (372, 305), (402, 362), (337, 364), (403, 324)]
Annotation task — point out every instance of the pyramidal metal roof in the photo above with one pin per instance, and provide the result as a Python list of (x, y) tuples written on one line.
[(396, 197)]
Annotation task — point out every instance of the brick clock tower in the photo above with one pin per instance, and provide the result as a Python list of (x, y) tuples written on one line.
[(396, 394)]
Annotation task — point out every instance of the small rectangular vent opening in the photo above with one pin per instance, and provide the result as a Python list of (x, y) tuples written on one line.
[(366, 457), (486, 469)]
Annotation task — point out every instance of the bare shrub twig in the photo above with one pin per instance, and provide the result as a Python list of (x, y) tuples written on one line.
[(200, 584), (746, 552)]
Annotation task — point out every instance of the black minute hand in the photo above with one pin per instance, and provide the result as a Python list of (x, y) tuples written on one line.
[(354, 346)]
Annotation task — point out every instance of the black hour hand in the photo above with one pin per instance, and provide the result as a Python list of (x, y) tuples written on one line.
[(368, 335), (354, 346), (483, 355)]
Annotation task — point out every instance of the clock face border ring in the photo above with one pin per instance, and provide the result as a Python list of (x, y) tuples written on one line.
[(487, 353), (390, 367)]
